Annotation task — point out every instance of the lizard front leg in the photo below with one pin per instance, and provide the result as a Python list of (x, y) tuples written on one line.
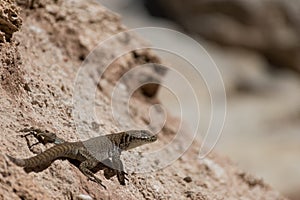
[(119, 169), (86, 166)]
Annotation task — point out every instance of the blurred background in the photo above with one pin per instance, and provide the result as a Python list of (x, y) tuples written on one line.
[(256, 45)]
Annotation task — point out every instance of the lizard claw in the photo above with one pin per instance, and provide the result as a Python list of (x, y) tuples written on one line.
[(96, 180), (124, 174), (122, 177), (31, 130), (126, 178), (102, 185)]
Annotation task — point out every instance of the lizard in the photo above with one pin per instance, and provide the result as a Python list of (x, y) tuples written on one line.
[(101, 152)]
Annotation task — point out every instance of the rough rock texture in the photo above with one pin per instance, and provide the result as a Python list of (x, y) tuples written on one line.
[(38, 69), (270, 27), (10, 20)]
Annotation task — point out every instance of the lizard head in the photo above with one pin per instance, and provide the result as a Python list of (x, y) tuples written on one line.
[(135, 138)]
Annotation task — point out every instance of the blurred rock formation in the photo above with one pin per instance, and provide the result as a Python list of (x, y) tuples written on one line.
[(269, 27)]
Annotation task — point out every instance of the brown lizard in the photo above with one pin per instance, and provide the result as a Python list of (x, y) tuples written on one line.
[(102, 152)]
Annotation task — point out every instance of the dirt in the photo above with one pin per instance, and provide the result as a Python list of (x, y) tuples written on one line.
[(38, 70)]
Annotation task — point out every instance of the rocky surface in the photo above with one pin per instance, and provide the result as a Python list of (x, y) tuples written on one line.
[(38, 70), (10, 20), (269, 27)]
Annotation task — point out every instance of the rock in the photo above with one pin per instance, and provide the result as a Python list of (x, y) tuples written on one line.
[(269, 27), (43, 67), (10, 21), (187, 179), (83, 197)]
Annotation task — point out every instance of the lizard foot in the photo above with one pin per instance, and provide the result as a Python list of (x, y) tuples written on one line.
[(43, 136), (122, 177), (97, 180)]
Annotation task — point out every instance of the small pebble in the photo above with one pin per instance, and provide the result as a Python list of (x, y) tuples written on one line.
[(188, 179), (189, 194), (83, 197)]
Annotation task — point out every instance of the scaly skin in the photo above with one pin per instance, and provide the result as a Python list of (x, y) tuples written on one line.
[(102, 152)]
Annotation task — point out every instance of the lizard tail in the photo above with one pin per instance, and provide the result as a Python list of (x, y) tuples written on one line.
[(43, 158), (19, 162)]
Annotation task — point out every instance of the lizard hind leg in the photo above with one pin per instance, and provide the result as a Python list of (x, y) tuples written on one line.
[(86, 166), (43, 136)]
